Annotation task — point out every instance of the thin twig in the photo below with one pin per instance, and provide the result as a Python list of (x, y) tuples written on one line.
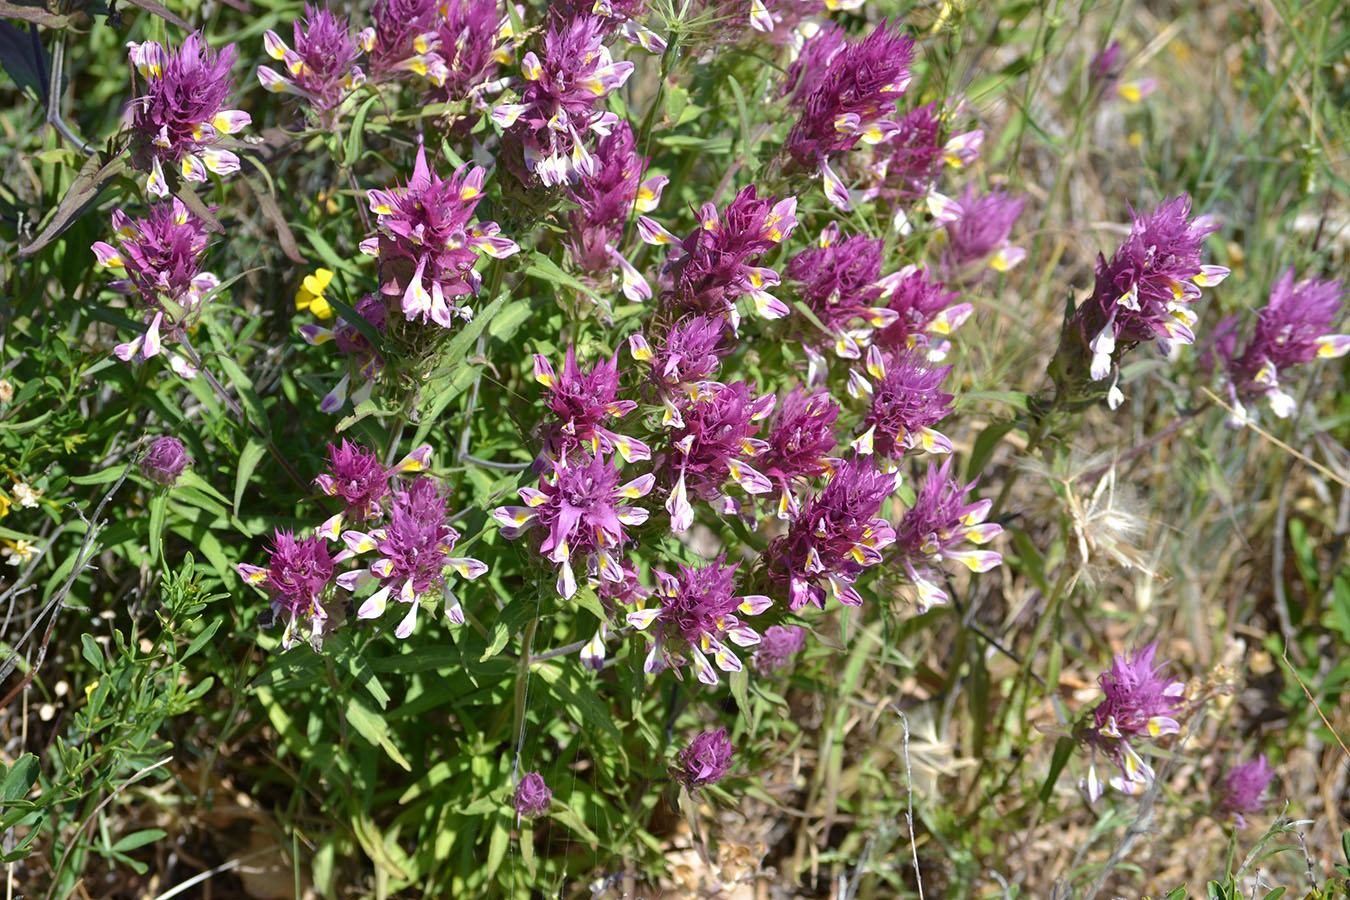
[(228, 866), (909, 801), (54, 93)]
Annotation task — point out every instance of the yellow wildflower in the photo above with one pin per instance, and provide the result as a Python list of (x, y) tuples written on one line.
[(310, 295)]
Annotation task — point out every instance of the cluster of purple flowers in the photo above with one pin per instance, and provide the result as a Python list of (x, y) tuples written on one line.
[(1139, 703), (906, 404), (1241, 789), (428, 244), (1147, 289), (935, 529), (1294, 328), (159, 258), (848, 90), (838, 534), (696, 618), (582, 508), (405, 521), (705, 761), (580, 403), (777, 646), (181, 119), (165, 460), (977, 229), (866, 314), (715, 265), (605, 199), (321, 68), (556, 110), (450, 49)]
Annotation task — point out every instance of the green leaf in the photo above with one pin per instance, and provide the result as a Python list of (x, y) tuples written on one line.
[(93, 654), (566, 816), (159, 507), (1058, 759), (330, 258), (579, 697), (497, 845), (586, 598), (527, 847), (138, 839), (372, 726), (21, 777), (103, 476), (740, 689), (243, 386), (353, 146), (985, 444), (98, 171), (200, 640), (509, 621), (249, 458), (547, 271)]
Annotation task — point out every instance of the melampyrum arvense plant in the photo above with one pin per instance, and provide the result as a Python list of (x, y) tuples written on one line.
[(658, 416)]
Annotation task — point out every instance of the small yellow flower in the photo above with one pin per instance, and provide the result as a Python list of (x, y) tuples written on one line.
[(4, 505), (1136, 140), (310, 295)]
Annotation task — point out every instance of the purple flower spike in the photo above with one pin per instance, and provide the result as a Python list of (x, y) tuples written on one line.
[(472, 40), (297, 574), (838, 535), (906, 404), (428, 246), (908, 162), (558, 101), (855, 95), (1295, 327), (414, 548), (159, 258), (321, 68), (978, 226), (934, 530), (403, 40), (779, 645), (705, 761), (714, 441), (605, 199), (715, 265), (182, 115), (840, 279), (1145, 292), (356, 475), (685, 363), (1105, 67), (581, 403), (165, 461), (1241, 789), (695, 618), (924, 314), (807, 71), (533, 797), (580, 505), (801, 439), (1139, 704)]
